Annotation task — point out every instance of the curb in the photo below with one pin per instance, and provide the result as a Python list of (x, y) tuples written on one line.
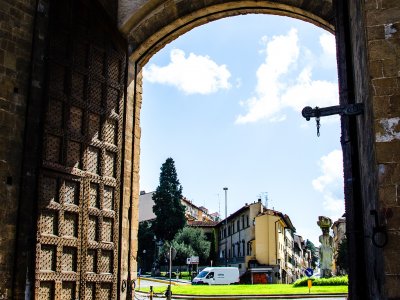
[(225, 297), (162, 281)]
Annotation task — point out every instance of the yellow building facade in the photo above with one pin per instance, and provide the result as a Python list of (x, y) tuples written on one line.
[(259, 241)]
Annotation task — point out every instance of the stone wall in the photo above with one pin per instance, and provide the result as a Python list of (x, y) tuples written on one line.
[(16, 28), (149, 25), (374, 64), (382, 19)]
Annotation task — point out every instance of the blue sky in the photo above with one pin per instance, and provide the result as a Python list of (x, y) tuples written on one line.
[(224, 101)]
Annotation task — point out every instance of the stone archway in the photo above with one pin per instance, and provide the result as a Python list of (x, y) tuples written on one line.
[(368, 37), (150, 25)]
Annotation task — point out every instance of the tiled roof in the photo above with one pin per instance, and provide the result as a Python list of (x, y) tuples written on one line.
[(202, 223)]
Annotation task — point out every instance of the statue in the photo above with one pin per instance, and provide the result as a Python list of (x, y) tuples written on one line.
[(326, 248)]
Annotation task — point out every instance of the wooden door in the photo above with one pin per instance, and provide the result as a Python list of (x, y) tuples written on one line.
[(80, 174)]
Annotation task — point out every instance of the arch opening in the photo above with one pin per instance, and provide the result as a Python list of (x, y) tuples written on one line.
[(298, 114)]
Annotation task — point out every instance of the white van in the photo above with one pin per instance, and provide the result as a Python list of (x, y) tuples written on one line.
[(217, 275)]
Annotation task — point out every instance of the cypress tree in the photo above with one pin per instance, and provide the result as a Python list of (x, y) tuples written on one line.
[(170, 213)]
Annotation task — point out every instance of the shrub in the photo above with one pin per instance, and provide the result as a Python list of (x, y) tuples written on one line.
[(337, 280)]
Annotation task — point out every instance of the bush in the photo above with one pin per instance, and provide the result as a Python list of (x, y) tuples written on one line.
[(337, 280)]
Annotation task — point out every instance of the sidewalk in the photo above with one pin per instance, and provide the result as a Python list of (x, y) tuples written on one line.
[(165, 280), (232, 297)]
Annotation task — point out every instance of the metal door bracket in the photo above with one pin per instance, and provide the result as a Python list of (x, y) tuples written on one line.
[(346, 110)]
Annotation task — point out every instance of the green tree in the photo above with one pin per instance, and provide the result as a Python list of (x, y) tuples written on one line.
[(213, 238), (189, 242), (314, 257), (170, 213), (342, 258), (146, 245)]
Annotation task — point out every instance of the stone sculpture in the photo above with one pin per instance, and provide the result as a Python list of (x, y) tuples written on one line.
[(326, 248)]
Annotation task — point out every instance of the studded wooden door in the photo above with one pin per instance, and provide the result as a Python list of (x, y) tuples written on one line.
[(79, 183)]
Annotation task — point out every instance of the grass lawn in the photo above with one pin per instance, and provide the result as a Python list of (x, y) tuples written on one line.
[(243, 289)]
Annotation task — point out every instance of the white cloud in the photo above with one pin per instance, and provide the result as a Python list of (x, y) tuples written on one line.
[(328, 56), (328, 43), (332, 170), (275, 91), (194, 74), (310, 92), (330, 183), (281, 52)]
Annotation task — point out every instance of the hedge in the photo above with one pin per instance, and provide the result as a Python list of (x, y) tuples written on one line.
[(337, 280)]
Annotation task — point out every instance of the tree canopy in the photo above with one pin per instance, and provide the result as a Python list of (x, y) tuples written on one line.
[(342, 258), (146, 245), (314, 257), (170, 213), (189, 242)]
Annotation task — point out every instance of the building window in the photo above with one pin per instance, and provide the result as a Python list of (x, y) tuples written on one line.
[(238, 225), (229, 230), (242, 221), (243, 247), (247, 221), (249, 248)]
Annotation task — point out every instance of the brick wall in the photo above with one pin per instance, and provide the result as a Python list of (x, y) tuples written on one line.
[(16, 27), (382, 20)]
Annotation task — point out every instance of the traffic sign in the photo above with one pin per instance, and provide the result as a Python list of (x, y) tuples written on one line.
[(309, 272), (194, 260)]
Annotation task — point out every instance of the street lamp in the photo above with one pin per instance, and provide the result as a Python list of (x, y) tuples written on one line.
[(226, 225), (154, 267)]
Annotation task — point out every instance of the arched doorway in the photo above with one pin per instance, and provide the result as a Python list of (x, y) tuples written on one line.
[(165, 23), (148, 25)]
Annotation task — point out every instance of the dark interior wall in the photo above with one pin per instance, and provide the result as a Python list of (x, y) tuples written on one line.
[(111, 7), (16, 27)]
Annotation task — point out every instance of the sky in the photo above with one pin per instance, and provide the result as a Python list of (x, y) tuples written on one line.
[(224, 101)]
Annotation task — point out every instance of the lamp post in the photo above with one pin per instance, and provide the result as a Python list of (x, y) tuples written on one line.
[(226, 225), (154, 267)]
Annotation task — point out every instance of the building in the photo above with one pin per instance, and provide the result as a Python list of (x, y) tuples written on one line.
[(259, 241), (302, 257), (339, 234), (146, 204), (198, 213), (192, 211)]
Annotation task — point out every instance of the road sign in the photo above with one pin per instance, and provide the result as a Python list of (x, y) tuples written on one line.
[(194, 260), (309, 272), (188, 261)]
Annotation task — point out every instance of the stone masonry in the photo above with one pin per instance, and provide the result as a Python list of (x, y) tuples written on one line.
[(16, 27), (382, 19), (148, 25)]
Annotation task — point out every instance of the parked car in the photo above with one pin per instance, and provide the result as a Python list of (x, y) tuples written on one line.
[(217, 275)]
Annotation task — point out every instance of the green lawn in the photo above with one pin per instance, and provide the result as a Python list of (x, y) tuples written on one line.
[(242, 289)]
